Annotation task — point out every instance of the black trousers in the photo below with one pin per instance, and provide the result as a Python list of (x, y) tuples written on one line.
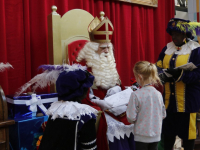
[(146, 146), (170, 140)]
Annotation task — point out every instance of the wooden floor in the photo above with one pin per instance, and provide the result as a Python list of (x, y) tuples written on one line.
[(197, 144), (197, 147)]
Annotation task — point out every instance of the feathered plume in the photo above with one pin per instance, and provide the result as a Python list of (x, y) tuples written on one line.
[(49, 76), (64, 67), (5, 66), (193, 27)]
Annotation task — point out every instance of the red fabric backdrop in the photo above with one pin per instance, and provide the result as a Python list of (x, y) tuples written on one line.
[(139, 34)]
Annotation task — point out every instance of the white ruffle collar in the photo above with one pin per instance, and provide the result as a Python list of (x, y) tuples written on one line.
[(185, 49), (117, 129), (69, 110)]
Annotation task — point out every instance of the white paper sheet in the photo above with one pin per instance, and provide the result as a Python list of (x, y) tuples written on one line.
[(120, 98), (189, 66)]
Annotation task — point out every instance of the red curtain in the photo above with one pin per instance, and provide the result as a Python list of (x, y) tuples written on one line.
[(139, 34)]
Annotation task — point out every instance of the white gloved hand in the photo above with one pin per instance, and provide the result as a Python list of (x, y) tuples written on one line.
[(101, 103), (118, 110), (113, 90)]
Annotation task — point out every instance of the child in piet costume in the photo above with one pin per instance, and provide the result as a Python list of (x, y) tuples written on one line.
[(71, 125), (113, 129)]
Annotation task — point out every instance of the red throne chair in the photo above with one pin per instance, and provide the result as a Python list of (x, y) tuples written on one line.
[(73, 50)]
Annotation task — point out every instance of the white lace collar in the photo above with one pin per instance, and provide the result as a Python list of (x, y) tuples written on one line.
[(185, 49), (117, 129), (71, 110)]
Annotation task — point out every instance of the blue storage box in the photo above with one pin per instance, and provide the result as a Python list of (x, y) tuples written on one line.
[(26, 106), (24, 133)]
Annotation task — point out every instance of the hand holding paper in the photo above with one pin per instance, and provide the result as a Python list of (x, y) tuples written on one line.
[(187, 67), (164, 78), (174, 72), (101, 103)]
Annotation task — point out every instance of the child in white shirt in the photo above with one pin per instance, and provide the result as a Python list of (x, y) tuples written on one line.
[(145, 108)]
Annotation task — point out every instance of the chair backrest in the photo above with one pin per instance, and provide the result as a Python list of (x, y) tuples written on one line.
[(73, 50), (3, 106), (63, 31)]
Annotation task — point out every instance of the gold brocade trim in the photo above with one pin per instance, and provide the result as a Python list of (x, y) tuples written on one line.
[(95, 22), (166, 61), (159, 63), (107, 111), (180, 86), (98, 120), (102, 32), (105, 21), (101, 41), (167, 94), (123, 114), (94, 30), (192, 127), (180, 96), (182, 60), (179, 76)]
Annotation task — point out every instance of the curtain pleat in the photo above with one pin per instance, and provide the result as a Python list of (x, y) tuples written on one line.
[(3, 55)]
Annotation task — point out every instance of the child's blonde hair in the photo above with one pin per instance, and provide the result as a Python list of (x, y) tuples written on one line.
[(148, 71)]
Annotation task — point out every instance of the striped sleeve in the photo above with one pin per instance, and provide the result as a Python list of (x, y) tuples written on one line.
[(87, 134)]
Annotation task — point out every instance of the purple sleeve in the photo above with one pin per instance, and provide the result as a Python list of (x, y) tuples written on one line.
[(194, 75)]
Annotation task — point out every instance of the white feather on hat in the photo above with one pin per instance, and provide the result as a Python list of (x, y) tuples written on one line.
[(5, 66), (49, 76)]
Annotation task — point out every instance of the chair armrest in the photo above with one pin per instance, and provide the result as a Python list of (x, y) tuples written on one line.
[(6, 123)]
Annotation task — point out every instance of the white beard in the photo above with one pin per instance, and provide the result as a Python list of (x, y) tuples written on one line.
[(103, 68)]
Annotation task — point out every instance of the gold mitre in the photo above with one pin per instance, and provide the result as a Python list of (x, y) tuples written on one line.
[(100, 29)]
